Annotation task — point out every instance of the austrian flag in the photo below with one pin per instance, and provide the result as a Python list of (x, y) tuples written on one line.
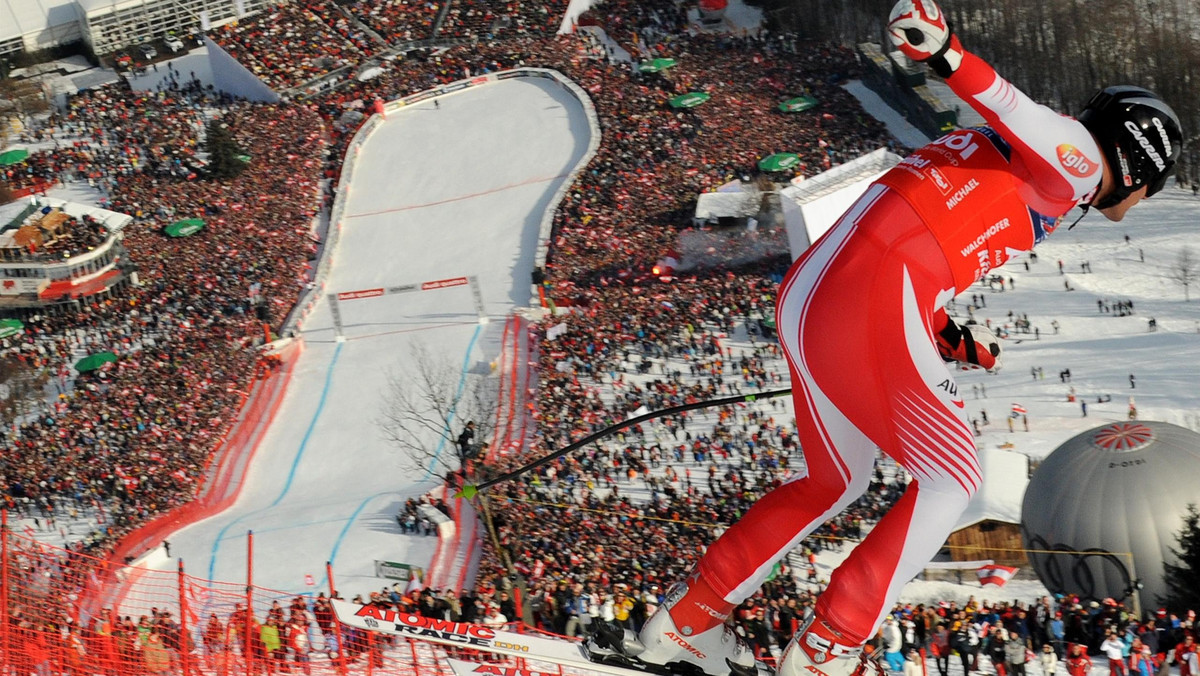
[(995, 575)]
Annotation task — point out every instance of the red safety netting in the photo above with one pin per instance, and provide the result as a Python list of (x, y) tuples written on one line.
[(168, 622)]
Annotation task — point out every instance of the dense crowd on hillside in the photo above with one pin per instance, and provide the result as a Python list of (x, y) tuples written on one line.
[(651, 156), (396, 20), (484, 19), (598, 535), (288, 45), (136, 435)]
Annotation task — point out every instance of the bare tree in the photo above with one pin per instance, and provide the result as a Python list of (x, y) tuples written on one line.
[(427, 405), (425, 410), (21, 388), (1183, 270)]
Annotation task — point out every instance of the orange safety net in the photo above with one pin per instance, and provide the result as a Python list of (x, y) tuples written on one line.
[(168, 622)]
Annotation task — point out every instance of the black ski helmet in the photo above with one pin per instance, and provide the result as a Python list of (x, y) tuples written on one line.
[(1140, 136)]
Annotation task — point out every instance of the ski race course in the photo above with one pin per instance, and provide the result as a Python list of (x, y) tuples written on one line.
[(439, 191)]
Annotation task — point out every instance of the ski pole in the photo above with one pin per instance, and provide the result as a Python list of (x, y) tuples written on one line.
[(469, 490)]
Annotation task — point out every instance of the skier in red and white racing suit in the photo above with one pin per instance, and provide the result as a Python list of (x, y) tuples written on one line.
[(860, 318)]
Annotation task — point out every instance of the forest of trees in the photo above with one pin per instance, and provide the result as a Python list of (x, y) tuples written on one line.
[(1057, 51)]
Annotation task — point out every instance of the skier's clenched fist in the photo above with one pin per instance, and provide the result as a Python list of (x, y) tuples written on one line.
[(921, 31)]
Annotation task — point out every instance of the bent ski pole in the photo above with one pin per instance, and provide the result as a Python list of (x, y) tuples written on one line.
[(469, 490)]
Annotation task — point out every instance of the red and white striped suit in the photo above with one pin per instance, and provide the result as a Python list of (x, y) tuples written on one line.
[(855, 318)]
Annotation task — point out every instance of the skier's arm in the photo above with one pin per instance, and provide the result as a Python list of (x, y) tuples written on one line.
[(1057, 163), (1060, 159)]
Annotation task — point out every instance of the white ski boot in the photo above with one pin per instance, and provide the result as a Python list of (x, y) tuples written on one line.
[(816, 650), (679, 638)]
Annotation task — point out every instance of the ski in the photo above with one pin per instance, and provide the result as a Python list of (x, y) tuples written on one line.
[(536, 649)]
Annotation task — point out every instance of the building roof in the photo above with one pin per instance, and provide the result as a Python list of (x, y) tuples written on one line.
[(31, 17), (1005, 476), (87, 7), (113, 220), (735, 204)]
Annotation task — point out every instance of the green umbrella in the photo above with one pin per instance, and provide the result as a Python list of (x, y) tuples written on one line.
[(690, 100), (188, 226), (13, 156), (798, 104), (243, 158), (10, 327), (779, 162), (656, 65), (94, 361)]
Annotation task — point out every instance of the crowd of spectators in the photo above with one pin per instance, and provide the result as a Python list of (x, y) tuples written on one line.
[(135, 436), (288, 45), (633, 200), (396, 20), (597, 535), (344, 23), (486, 19)]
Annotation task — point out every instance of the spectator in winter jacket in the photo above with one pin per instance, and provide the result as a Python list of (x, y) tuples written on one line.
[(893, 643), (298, 643), (995, 650), (272, 644), (913, 665), (214, 641), (757, 634), (1141, 662), (323, 612), (1048, 659), (494, 619), (1185, 657), (1058, 634), (940, 647), (1015, 655), (1114, 649), (1149, 636), (155, 655), (1078, 662), (965, 641)]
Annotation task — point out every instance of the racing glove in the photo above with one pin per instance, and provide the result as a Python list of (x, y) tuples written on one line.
[(972, 345), (920, 30)]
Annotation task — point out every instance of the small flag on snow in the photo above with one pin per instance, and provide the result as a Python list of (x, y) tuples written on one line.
[(995, 575), (1018, 409)]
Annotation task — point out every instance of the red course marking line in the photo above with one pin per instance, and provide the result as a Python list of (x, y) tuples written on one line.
[(541, 179)]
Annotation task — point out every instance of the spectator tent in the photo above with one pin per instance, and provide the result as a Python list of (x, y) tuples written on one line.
[(814, 205), (27, 25)]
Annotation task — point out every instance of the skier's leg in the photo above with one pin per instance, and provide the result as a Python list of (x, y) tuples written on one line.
[(908, 404), (838, 457), (690, 625)]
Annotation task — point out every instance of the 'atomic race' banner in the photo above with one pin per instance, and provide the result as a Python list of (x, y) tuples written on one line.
[(478, 637)]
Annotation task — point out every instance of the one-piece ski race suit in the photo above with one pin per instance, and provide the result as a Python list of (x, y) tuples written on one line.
[(855, 316)]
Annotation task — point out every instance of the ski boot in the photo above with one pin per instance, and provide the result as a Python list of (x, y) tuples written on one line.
[(817, 650), (686, 637)]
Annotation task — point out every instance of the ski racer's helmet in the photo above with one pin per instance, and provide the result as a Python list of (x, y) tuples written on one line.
[(1140, 136)]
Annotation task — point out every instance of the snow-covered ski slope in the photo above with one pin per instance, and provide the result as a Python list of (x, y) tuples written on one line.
[(438, 192)]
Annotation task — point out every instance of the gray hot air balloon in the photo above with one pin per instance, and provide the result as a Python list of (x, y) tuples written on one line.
[(1112, 499)]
